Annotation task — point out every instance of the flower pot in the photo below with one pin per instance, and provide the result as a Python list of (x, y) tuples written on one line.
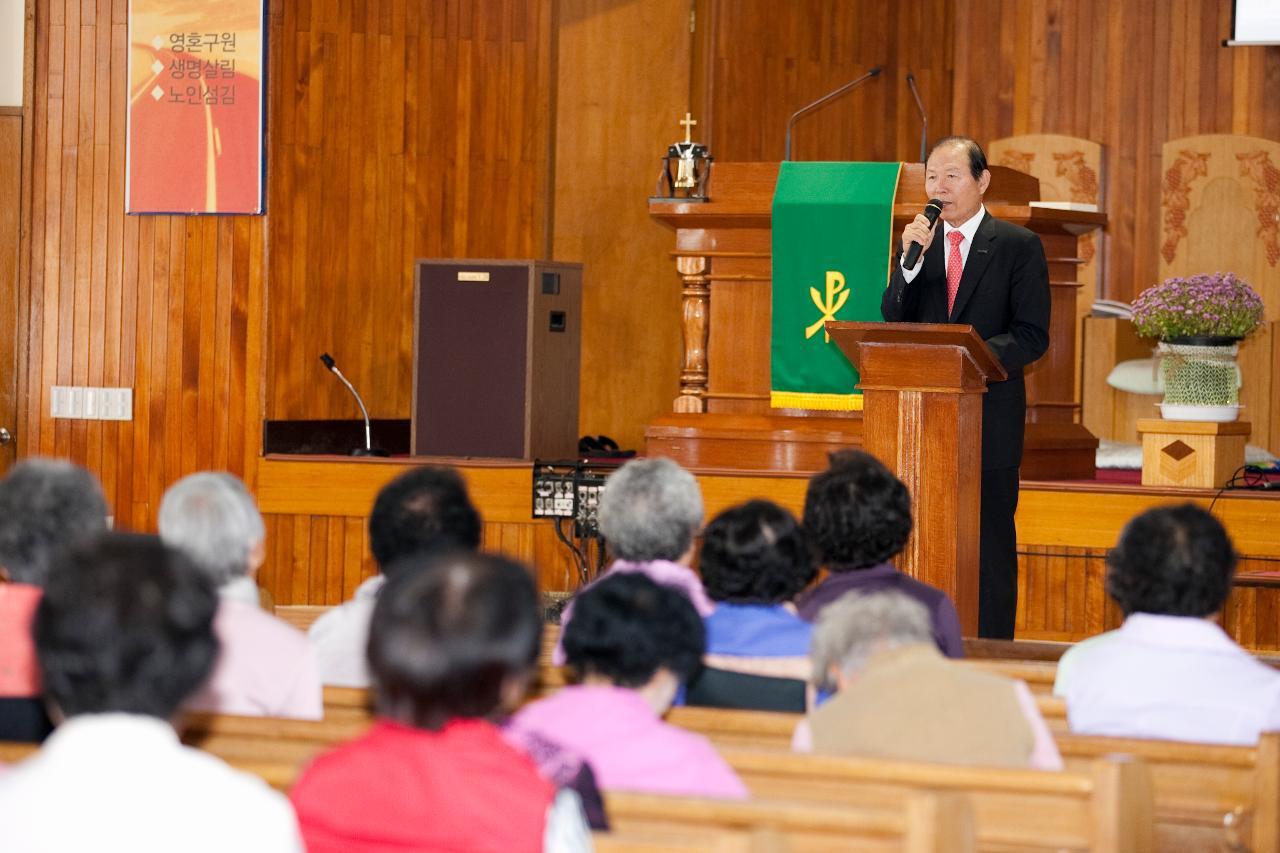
[(1204, 340), (1201, 382)]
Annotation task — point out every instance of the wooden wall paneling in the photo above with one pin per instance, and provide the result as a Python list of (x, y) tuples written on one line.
[(1186, 84), (405, 131), (357, 564), (10, 228), (1217, 189), (768, 60), (158, 304), (619, 95), (22, 295)]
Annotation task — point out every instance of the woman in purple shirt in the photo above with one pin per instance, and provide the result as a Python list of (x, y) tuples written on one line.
[(858, 516)]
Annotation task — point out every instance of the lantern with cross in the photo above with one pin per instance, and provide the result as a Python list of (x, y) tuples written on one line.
[(686, 168)]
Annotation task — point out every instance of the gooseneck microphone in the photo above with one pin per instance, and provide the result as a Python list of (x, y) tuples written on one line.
[(830, 96), (932, 211), (924, 119), (368, 449)]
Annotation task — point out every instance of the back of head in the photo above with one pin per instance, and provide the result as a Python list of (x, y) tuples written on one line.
[(125, 625), (1172, 561), (755, 553), (452, 636), (213, 519), (857, 513), (423, 510), (46, 505), (650, 510), (855, 627), (625, 628)]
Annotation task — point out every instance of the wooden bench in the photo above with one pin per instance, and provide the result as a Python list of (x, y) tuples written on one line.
[(1205, 795), (1065, 805), (1106, 808), (923, 821)]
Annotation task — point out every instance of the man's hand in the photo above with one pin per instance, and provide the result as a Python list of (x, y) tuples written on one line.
[(919, 231)]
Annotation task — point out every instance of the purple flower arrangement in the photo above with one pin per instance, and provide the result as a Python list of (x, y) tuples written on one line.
[(1218, 305)]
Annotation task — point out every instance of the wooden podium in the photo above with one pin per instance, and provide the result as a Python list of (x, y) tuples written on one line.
[(922, 387), (723, 249)]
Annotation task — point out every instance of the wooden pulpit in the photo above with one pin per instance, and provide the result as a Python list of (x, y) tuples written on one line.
[(922, 386), (723, 254)]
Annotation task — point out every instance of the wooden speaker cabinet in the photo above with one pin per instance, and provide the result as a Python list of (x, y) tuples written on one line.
[(496, 358)]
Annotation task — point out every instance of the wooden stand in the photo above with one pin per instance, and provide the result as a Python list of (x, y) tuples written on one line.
[(1194, 454), (723, 252), (922, 387)]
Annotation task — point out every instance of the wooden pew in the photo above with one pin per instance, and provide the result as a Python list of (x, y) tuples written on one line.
[(1205, 795), (1106, 808), (1065, 801), (1221, 791), (923, 821)]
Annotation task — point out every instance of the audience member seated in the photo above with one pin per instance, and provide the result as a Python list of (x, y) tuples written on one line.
[(1169, 671), (124, 635), (451, 648), (425, 510), (632, 642), (898, 697), (265, 666), (45, 506), (649, 514), (858, 517), (755, 558)]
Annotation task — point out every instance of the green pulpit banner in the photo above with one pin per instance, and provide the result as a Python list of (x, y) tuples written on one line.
[(832, 233)]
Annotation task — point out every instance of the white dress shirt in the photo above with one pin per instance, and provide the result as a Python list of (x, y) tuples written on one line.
[(341, 636), (1168, 677), (968, 228), (122, 783)]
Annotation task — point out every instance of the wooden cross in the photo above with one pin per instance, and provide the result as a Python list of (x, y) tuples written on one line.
[(687, 123)]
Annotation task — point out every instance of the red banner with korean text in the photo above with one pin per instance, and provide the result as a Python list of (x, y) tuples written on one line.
[(194, 139)]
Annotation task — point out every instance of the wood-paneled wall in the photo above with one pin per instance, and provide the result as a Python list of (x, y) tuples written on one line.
[(1062, 597), (396, 130), (619, 96), (765, 60), (167, 305), (10, 229), (1130, 75)]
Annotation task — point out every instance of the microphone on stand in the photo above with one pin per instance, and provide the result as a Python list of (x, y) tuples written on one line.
[(847, 87), (368, 449), (924, 119), (932, 211)]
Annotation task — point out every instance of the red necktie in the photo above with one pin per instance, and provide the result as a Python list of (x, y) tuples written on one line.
[(955, 267)]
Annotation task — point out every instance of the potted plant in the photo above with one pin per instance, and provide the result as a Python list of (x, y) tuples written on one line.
[(1199, 322)]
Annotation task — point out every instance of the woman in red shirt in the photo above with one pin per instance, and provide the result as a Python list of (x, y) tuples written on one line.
[(452, 645)]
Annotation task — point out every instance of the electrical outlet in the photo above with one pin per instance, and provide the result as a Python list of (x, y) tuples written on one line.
[(97, 404)]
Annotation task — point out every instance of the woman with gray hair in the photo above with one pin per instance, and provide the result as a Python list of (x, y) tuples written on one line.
[(265, 667), (649, 513), (897, 696), (46, 506)]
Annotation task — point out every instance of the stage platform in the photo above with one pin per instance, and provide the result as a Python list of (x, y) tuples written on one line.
[(317, 507)]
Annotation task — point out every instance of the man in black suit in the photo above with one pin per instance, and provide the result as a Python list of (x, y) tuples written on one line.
[(993, 276)]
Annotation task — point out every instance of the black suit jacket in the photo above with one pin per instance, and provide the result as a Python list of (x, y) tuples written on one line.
[(1004, 295)]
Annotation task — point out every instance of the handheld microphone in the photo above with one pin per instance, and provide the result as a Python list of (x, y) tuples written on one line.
[(932, 211), (924, 119), (808, 108), (368, 449)]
